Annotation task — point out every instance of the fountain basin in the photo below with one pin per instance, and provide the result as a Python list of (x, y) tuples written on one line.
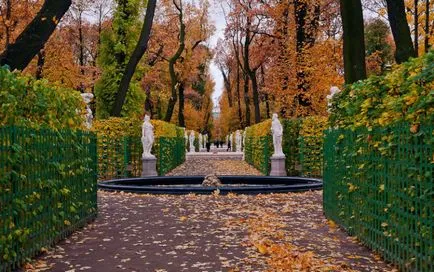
[(231, 184)]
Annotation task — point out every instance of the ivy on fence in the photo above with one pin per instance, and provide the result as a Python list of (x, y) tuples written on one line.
[(47, 189), (379, 185)]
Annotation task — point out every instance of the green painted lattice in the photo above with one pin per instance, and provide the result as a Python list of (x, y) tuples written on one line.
[(379, 185), (257, 153), (48, 189)]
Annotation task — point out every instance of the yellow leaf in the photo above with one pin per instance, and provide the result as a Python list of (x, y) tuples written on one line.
[(262, 248), (183, 218)]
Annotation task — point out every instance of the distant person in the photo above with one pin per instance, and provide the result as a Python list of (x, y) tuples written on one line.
[(208, 146), (229, 146), (217, 144)]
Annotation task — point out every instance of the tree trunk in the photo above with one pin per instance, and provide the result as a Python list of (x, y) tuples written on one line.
[(416, 27), (255, 89), (172, 62), (354, 40), (265, 96), (138, 53), (227, 85), (40, 66), (181, 119), (251, 74), (427, 28), (400, 30), (240, 112), (148, 101), (247, 99), (19, 54), (8, 18)]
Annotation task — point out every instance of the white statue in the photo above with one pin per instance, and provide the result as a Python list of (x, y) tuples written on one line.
[(333, 91), (238, 141), (147, 137), (192, 148), (87, 98), (205, 140), (277, 132)]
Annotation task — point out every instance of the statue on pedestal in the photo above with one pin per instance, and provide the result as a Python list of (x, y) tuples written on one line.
[(333, 91), (238, 140), (192, 137), (147, 137), (277, 132), (87, 98)]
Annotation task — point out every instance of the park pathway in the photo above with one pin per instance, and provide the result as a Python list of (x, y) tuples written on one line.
[(281, 232)]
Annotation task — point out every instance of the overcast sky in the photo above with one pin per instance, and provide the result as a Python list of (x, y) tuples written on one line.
[(218, 19)]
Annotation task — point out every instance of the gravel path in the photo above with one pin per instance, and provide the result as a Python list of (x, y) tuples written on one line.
[(281, 232), (203, 167)]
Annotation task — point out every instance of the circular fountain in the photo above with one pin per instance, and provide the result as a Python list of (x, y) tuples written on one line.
[(230, 184)]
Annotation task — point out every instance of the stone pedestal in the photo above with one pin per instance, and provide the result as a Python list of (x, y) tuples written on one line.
[(149, 167), (278, 166)]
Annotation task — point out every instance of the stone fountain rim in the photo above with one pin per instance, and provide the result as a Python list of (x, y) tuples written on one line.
[(263, 185)]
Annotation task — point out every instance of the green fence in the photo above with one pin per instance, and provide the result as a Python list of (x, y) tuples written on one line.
[(304, 155), (311, 156), (257, 152), (121, 157), (47, 189), (171, 153), (379, 185)]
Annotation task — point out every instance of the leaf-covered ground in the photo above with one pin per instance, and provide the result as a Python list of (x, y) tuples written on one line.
[(281, 232)]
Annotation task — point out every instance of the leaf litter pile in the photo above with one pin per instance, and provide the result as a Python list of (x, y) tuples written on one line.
[(278, 232)]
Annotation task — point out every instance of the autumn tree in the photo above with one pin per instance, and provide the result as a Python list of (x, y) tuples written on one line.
[(136, 56), (354, 43), (33, 38), (400, 30), (117, 45)]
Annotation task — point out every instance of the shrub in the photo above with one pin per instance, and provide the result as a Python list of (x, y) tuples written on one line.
[(34, 103), (259, 146), (405, 94), (120, 147)]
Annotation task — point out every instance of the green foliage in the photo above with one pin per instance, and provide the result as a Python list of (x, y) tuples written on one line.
[(258, 146), (117, 45), (290, 146), (405, 94), (47, 188), (35, 103), (376, 34), (378, 184), (120, 147)]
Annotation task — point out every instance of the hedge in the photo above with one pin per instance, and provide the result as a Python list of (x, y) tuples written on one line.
[(302, 144), (120, 147), (48, 189), (405, 94), (379, 185), (379, 169)]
